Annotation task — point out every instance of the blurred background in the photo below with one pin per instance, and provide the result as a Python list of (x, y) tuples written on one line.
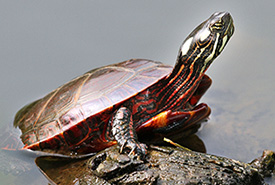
[(44, 44)]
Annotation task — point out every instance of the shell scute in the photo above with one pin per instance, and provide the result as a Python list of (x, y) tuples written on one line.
[(65, 114)]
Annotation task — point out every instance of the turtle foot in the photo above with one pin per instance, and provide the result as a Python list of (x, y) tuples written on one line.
[(134, 148)]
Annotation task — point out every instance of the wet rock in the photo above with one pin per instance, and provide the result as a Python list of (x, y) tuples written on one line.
[(167, 165), (265, 164), (163, 165)]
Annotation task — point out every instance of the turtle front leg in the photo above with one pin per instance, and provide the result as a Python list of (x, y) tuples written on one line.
[(124, 133), (202, 88), (173, 124)]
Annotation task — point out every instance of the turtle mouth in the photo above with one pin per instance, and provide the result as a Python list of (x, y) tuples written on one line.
[(229, 25)]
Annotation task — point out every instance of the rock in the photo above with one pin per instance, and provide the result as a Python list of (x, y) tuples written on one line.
[(265, 164), (163, 165), (167, 165)]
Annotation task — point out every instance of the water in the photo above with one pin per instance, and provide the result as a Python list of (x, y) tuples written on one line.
[(46, 43)]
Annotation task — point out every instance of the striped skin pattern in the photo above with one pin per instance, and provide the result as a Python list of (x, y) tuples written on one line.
[(117, 103)]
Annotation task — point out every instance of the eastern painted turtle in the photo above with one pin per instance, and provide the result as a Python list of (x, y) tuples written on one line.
[(138, 97)]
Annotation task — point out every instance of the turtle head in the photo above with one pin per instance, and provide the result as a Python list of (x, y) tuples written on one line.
[(207, 41)]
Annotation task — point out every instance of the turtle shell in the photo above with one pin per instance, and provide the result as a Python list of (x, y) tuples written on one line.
[(95, 91)]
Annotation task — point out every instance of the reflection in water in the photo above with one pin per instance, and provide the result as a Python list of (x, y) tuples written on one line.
[(240, 126), (18, 167)]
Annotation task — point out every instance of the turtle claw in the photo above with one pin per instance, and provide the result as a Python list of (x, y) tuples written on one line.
[(134, 148), (125, 134)]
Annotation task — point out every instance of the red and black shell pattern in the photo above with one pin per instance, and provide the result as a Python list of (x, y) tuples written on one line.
[(55, 117)]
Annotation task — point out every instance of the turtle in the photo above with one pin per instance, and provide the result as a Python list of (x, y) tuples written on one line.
[(130, 103)]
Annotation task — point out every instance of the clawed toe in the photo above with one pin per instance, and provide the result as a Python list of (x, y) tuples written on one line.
[(134, 149)]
